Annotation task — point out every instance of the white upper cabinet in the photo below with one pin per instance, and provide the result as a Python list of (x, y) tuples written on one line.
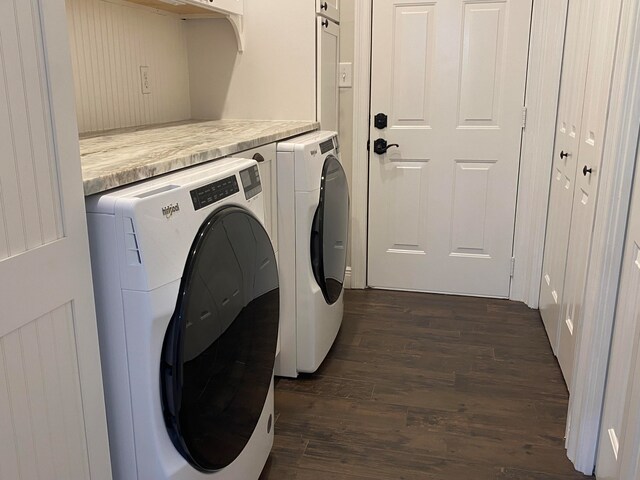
[(329, 9), (327, 93)]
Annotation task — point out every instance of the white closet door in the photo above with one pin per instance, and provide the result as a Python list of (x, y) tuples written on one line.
[(588, 160), (52, 418), (569, 124), (327, 72), (620, 430)]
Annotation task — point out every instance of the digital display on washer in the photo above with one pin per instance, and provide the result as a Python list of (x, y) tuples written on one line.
[(326, 146), (214, 192), (250, 179)]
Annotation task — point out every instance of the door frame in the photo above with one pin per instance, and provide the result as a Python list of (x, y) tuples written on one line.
[(360, 154), (534, 194), (65, 135)]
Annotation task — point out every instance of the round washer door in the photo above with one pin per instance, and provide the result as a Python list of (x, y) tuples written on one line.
[(330, 230), (219, 350)]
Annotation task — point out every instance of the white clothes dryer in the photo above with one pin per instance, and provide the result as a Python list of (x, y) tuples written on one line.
[(187, 298), (313, 225)]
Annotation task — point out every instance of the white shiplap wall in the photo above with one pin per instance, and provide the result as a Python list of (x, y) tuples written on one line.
[(110, 41)]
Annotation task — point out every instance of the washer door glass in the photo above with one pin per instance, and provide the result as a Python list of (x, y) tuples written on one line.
[(220, 346), (330, 230)]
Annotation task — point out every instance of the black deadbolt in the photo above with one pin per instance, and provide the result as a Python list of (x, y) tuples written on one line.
[(380, 121), (380, 146)]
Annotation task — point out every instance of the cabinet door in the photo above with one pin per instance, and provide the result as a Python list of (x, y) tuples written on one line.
[(266, 158), (329, 9), (327, 71)]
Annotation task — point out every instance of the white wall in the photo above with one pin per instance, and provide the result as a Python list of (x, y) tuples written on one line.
[(109, 42), (273, 79)]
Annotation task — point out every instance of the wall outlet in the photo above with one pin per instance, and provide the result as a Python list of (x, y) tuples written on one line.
[(346, 75), (145, 80)]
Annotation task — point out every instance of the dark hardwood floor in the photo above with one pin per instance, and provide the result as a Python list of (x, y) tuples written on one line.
[(424, 386)]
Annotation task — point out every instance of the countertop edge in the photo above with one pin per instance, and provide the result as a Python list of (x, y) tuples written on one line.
[(135, 174)]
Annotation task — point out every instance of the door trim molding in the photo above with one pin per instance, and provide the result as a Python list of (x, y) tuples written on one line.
[(360, 154), (541, 100), (57, 59), (620, 146)]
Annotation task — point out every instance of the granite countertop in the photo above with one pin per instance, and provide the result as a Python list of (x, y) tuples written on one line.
[(120, 157)]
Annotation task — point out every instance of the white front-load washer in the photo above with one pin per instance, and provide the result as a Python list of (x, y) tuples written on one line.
[(187, 297), (313, 225)]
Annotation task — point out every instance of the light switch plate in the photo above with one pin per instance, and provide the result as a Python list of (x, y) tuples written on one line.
[(345, 75)]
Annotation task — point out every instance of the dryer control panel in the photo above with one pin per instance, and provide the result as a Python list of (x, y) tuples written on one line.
[(214, 192), (250, 178)]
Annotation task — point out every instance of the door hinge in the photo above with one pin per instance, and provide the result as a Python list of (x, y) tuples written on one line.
[(524, 117), (513, 266)]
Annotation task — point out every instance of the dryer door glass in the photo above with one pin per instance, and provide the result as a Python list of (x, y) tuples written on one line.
[(219, 350), (329, 232)]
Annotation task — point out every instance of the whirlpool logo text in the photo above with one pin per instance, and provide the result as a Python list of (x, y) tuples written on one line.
[(169, 210)]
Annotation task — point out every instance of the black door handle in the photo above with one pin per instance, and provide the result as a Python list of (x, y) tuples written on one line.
[(586, 170), (323, 6), (563, 154), (258, 158), (380, 146), (325, 23)]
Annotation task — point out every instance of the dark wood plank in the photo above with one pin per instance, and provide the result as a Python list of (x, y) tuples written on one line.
[(421, 386)]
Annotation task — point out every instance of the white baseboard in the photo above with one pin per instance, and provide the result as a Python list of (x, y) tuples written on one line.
[(347, 278)]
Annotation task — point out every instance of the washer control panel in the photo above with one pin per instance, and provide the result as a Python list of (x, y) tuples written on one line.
[(214, 192), (250, 178)]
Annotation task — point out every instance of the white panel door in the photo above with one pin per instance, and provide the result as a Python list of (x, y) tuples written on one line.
[(450, 76), (589, 157), (620, 429), (327, 74), (52, 418), (569, 125)]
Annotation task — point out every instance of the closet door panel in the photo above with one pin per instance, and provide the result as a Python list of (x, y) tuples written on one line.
[(569, 123), (588, 162)]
